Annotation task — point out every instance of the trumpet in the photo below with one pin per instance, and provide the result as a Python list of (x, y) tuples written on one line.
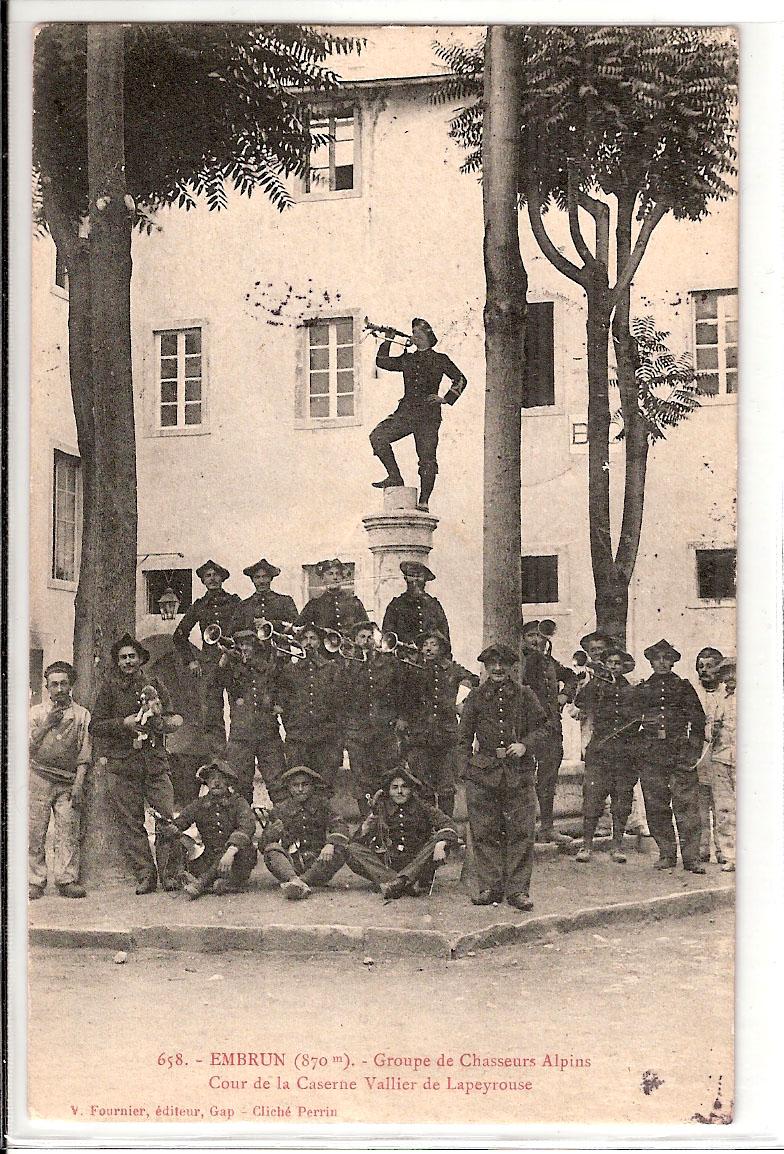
[(282, 640), (404, 651), (399, 337), (591, 668), (213, 635)]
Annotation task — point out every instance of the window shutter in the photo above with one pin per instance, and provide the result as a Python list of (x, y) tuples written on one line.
[(539, 376)]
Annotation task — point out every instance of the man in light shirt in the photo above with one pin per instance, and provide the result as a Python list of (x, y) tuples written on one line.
[(60, 753), (721, 726)]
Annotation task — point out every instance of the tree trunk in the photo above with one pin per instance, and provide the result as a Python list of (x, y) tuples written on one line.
[(110, 275), (504, 320), (111, 599), (635, 433), (76, 255), (607, 602)]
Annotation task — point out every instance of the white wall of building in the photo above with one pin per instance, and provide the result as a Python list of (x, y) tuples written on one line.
[(254, 482)]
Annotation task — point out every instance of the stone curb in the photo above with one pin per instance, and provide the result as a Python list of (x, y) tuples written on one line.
[(650, 910), (378, 942)]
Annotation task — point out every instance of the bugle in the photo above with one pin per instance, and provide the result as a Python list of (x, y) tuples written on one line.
[(399, 338), (404, 651), (213, 635)]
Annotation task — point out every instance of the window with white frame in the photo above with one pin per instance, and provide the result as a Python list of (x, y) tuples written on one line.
[(180, 378), (331, 376), (539, 575), (333, 159), (66, 515), (716, 340), (716, 574)]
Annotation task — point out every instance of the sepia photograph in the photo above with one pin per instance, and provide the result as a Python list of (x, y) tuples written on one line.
[(382, 576)]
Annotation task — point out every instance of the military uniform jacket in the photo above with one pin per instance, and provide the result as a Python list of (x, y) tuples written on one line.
[(670, 711), (370, 693), (495, 714), (423, 372), (334, 609), (268, 605), (216, 607), (612, 708), (400, 831), (431, 697), (221, 823), (409, 615), (305, 827), (545, 676), (250, 687), (307, 695), (118, 698)]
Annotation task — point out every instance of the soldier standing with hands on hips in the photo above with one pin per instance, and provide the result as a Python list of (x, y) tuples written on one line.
[(419, 411)]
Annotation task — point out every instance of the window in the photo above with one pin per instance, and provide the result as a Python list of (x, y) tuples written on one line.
[(332, 163), (539, 377), (331, 381), (36, 676), (181, 581), (539, 580), (180, 378), (579, 432), (716, 574), (66, 515), (60, 271), (314, 585), (716, 341)]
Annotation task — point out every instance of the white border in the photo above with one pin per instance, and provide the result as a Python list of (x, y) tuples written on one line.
[(760, 941)]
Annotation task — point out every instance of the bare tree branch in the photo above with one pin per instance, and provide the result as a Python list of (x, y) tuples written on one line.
[(578, 240), (556, 258), (633, 263)]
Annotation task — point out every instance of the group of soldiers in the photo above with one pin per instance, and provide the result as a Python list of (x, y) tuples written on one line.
[(334, 683)]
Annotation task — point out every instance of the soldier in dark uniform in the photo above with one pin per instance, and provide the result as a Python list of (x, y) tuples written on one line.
[(226, 826), (263, 604), (308, 700), (335, 608), (370, 697), (431, 715), (510, 728), (215, 607), (611, 756), (254, 736), (304, 840), (671, 738), (403, 839), (413, 612), (419, 411), (129, 726), (554, 685)]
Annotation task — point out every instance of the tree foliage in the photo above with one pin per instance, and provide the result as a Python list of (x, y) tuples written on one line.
[(667, 388), (646, 107), (205, 104)]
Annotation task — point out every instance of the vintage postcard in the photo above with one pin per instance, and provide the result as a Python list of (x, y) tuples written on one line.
[(383, 458)]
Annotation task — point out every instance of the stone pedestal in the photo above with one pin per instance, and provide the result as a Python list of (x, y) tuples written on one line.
[(398, 533)]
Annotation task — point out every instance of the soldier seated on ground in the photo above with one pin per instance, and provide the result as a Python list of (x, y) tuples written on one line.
[(226, 826), (402, 840), (304, 840)]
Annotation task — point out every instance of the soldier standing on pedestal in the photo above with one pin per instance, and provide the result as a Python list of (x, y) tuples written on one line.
[(335, 608), (415, 612), (671, 738), (215, 607), (419, 411), (264, 604)]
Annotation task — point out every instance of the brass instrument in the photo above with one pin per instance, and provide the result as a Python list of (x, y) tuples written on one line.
[(399, 337), (213, 635), (404, 651), (547, 630), (281, 638), (591, 668)]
